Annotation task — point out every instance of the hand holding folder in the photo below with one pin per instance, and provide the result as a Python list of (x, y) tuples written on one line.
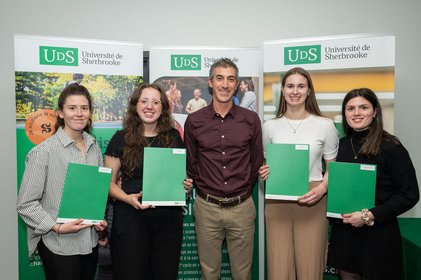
[(289, 171), (164, 170), (352, 187), (85, 193)]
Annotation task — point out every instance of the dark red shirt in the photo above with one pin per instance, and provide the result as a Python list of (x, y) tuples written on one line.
[(223, 154)]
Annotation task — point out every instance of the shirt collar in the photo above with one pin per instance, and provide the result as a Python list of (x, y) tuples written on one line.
[(66, 140), (232, 111)]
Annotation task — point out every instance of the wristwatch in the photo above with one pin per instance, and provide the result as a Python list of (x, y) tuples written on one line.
[(366, 218)]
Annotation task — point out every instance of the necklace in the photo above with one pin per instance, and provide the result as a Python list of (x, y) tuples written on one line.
[(150, 143), (353, 150), (294, 129)]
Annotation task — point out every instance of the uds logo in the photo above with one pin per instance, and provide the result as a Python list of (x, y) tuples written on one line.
[(186, 62), (58, 56), (302, 54)]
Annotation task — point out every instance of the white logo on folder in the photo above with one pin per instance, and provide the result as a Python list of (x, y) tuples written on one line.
[(301, 147), (179, 151)]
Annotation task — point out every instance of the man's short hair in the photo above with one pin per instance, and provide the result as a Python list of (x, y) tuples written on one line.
[(225, 63)]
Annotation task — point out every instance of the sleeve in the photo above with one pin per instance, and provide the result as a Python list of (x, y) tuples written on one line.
[(256, 151), (405, 192), (115, 146), (192, 151), (331, 144), (31, 191), (248, 98), (189, 105), (266, 135)]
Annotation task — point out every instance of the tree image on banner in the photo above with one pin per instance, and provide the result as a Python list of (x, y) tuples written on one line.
[(36, 98)]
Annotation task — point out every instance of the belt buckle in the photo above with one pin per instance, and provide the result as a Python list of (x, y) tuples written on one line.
[(227, 202), (222, 202)]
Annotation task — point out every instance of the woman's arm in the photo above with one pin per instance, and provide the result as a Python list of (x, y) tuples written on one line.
[(316, 193), (31, 192), (116, 192), (402, 193)]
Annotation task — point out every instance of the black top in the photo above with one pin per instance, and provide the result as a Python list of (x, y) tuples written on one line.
[(376, 251), (115, 149), (396, 182)]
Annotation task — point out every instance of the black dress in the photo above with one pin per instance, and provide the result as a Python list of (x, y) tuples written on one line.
[(145, 244), (376, 251)]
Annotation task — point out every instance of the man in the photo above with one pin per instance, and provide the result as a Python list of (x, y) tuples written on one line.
[(224, 153), (196, 103)]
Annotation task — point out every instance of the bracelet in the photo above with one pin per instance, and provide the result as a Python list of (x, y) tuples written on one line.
[(58, 229), (366, 218)]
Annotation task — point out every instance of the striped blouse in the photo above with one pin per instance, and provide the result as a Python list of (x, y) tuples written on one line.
[(41, 189)]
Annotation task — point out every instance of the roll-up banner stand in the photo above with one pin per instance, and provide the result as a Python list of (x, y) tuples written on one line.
[(337, 64), (44, 66), (181, 71)]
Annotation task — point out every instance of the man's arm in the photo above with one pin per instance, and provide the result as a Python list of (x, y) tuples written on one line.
[(191, 146), (256, 151)]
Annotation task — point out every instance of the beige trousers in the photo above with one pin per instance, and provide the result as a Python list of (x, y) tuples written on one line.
[(296, 237), (235, 224)]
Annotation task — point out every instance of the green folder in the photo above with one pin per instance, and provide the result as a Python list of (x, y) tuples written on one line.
[(164, 170), (289, 171), (85, 193), (352, 187)]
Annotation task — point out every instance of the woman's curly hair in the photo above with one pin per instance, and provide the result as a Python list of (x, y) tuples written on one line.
[(134, 129)]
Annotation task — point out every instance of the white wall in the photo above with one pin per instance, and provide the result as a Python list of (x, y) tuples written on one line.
[(215, 23)]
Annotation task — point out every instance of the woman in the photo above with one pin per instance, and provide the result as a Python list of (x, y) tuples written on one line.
[(366, 244), (171, 87), (69, 250), (145, 241), (297, 231), (178, 104), (249, 98)]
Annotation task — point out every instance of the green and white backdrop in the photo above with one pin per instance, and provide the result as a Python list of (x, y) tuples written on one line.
[(43, 67)]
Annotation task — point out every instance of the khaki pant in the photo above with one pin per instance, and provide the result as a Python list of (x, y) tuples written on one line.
[(236, 225), (296, 237)]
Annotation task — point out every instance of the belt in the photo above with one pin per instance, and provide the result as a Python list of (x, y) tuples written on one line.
[(226, 201)]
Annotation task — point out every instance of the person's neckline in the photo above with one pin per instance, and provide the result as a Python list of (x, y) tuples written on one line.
[(222, 109), (306, 115)]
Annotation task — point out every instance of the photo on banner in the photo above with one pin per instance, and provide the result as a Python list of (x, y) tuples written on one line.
[(44, 66), (337, 64), (182, 72)]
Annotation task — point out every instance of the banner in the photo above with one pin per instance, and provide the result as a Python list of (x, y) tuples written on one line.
[(44, 66), (337, 64), (183, 72)]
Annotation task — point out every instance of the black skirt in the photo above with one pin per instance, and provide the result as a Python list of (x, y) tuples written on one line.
[(374, 252)]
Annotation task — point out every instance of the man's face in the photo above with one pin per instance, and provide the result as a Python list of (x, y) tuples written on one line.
[(223, 84)]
